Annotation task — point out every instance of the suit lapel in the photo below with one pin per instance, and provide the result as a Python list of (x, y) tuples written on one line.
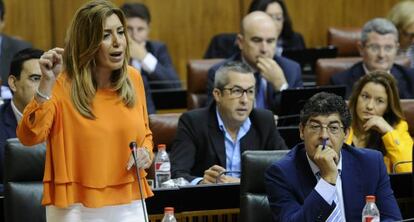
[(306, 178), (351, 187), (216, 136)]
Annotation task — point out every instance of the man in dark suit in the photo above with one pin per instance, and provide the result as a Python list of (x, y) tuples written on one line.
[(8, 47), (210, 140), (23, 80), (273, 74), (324, 179), (378, 48), (150, 57)]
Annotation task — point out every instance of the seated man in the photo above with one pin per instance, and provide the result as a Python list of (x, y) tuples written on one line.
[(150, 57), (8, 47), (210, 140), (257, 42), (378, 48), (324, 179), (23, 80)]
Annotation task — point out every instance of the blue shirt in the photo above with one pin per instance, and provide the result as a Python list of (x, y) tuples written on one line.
[(233, 147)]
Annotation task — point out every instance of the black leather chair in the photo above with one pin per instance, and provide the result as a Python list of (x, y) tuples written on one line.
[(23, 187), (254, 206)]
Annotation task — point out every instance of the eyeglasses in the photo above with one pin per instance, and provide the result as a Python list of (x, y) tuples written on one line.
[(374, 48), (237, 92), (332, 129)]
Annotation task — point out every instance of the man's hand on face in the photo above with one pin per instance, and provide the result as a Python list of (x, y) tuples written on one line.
[(327, 160), (137, 50), (271, 71)]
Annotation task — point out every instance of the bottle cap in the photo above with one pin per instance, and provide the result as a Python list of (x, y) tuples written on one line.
[(161, 146), (169, 209), (370, 198)]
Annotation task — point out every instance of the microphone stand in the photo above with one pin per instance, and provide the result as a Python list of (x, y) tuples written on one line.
[(133, 147)]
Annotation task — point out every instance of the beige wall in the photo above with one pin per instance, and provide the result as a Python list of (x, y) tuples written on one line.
[(186, 26)]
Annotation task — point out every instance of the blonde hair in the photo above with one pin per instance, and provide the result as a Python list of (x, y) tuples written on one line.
[(402, 14), (83, 40)]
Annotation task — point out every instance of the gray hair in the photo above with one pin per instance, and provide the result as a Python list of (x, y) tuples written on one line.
[(381, 26), (222, 78)]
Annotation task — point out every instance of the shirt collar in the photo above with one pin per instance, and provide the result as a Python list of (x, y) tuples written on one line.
[(16, 112), (367, 71)]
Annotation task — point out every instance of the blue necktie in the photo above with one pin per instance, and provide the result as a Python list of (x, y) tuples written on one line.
[(336, 215), (260, 92)]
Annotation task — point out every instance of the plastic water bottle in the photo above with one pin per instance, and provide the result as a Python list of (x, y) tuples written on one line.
[(162, 166), (169, 215), (370, 213)]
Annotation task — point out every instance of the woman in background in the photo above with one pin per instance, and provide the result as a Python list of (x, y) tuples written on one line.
[(288, 39), (88, 114), (378, 120)]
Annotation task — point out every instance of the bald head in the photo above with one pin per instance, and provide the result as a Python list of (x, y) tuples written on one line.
[(257, 18), (258, 37)]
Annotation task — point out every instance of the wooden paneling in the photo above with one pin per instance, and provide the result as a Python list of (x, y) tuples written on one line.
[(186, 26), (30, 20)]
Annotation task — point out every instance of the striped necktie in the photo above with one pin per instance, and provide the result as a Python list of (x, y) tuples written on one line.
[(336, 215)]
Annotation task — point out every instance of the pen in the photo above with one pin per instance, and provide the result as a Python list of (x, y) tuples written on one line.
[(324, 143)]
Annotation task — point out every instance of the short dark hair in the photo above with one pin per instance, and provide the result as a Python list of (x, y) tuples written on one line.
[(136, 10), (221, 78), (22, 56), (2, 10), (324, 103)]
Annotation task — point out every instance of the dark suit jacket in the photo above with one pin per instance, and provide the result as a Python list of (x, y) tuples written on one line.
[(199, 143), (164, 75), (8, 125), (403, 75), (290, 187), (291, 69), (9, 47)]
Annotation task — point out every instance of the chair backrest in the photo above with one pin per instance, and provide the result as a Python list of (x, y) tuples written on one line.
[(197, 74), (23, 187), (164, 128), (254, 206), (325, 68), (345, 39), (407, 106)]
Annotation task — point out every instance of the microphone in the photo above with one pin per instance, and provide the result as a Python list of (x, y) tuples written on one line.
[(133, 148)]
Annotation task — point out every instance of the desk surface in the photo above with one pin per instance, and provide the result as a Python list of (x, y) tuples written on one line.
[(227, 196)]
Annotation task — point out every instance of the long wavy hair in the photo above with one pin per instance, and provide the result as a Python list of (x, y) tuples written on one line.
[(83, 40), (393, 115)]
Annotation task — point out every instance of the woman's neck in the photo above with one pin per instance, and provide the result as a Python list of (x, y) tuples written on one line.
[(361, 136), (102, 77)]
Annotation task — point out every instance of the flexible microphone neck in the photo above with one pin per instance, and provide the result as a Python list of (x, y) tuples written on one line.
[(133, 148)]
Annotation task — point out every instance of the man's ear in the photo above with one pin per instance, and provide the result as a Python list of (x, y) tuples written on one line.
[(216, 94), (239, 41), (301, 129), (12, 83)]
